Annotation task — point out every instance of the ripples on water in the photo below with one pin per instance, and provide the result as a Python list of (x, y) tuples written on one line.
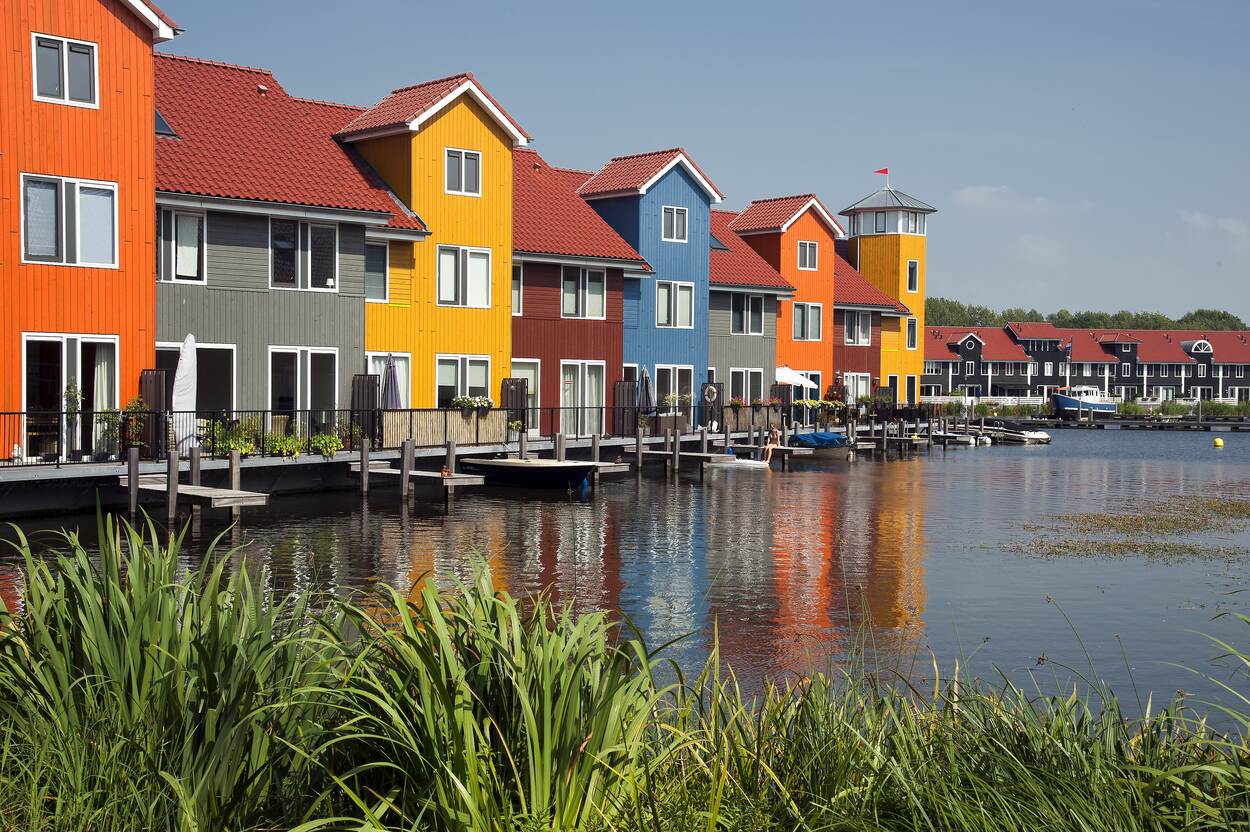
[(789, 566)]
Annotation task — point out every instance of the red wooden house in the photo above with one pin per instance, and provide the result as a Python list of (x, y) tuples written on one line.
[(568, 274), (858, 307)]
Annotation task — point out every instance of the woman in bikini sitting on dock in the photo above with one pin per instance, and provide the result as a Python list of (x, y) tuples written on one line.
[(774, 441)]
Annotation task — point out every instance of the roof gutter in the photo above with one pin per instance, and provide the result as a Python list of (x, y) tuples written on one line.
[(170, 199), (639, 268)]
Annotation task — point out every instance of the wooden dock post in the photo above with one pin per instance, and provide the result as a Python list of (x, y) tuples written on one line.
[(728, 440), (194, 479), (171, 486), (594, 456), (132, 479), (406, 451), (562, 448), (364, 465), (236, 482), (449, 466), (703, 440), (523, 445), (676, 451), (638, 451)]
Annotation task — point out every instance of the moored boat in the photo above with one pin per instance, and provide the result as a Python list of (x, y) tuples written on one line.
[(1071, 402), (532, 473), (1013, 433)]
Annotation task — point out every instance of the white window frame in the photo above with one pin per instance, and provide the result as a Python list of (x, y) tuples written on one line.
[(879, 222), (1126, 370), (676, 370), (234, 363), (747, 374), (463, 276), (464, 152), (301, 395), (583, 293), (386, 275), (853, 315), (675, 209), (307, 255), (582, 419), (913, 270), (65, 44), (62, 227), (299, 255), (1048, 368), (62, 337), (369, 354), (173, 276), (747, 300), (673, 293), (535, 427), (1126, 348), (932, 368), (815, 256), (819, 310), (911, 334), (462, 379), (1202, 370), (970, 368), (518, 277)]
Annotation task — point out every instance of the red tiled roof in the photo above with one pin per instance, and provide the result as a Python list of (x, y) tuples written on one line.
[(631, 173), (407, 104), (1116, 337), (738, 264), (548, 217), (850, 288), (159, 12), (241, 136), (1227, 347), (941, 343), (1035, 330), (775, 213), (1084, 348), (1159, 347)]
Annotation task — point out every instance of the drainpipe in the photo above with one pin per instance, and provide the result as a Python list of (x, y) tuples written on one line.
[(1221, 376)]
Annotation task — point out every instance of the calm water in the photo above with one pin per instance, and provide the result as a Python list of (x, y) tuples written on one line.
[(791, 564)]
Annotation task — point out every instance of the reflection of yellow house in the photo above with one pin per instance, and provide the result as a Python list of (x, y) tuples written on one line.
[(888, 231), (444, 309), (895, 589)]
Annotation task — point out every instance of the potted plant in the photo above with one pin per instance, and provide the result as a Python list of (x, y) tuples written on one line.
[(326, 444), (133, 415), (736, 404), (109, 422), (774, 403), (464, 403), (73, 406), (483, 405), (756, 404)]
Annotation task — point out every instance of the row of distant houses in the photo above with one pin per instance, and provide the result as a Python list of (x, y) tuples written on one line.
[(1033, 359), (145, 197)]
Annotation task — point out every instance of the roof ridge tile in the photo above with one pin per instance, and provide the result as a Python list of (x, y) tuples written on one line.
[(209, 62)]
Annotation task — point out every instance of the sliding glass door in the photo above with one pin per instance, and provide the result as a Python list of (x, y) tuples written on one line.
[(581, 397), (303, 379), (69, 384)]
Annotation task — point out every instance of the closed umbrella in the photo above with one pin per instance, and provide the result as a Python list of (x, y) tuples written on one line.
[(646, 400), (390, 386), (183, 404)]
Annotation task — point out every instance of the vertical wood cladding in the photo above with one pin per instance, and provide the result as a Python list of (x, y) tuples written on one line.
[(540, 333), (113, 143), (727, 351), (850, 358)]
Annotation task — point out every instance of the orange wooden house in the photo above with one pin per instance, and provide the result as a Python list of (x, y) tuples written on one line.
[(796, 235), (77, 211)]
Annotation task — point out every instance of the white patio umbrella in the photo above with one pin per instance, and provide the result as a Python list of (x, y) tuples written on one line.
[(787, 376), (183, 405)]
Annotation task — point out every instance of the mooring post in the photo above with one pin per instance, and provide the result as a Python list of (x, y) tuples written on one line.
[(523, 445), (450, 461), (236, 482), (171, 486), (449, 470), (406, 451), (728, 439), (703, 440), (562, 447), (638, 450), (594, 457), (132, 479), (194, 479), (364, 465), (676, 450)]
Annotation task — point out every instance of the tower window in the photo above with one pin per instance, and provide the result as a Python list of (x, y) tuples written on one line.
[(913, 275), (880, 222)]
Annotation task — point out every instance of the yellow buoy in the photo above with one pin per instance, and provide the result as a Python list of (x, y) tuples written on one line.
[(1219, 443)]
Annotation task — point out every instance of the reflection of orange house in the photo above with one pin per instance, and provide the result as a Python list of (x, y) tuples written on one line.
[(796, 235), (77, 202)]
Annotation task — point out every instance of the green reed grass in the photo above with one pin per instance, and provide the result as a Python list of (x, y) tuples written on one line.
[(135, 694)]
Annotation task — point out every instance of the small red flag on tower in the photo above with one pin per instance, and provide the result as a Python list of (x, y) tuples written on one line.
[(885, 171)]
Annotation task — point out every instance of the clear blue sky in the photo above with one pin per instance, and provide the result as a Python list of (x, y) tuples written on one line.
[(1081, 153)]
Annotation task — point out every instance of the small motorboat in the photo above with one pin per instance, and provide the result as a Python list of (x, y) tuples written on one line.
[(733, 461), (532, 473), (823, 443), (1015, 433), (1071, 402)]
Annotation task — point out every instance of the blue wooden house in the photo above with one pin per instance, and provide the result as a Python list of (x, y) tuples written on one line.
[(660, 203)]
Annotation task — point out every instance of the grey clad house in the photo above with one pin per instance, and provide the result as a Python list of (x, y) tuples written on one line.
[(268, 232), (742, 315)]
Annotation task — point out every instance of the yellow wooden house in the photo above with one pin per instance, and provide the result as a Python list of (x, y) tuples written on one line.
[(887, 245), (442, 307)]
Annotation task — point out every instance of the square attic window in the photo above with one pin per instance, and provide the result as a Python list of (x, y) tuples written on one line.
[(162, 126)]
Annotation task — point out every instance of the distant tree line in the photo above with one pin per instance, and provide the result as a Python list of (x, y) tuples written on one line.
[(947, 312)]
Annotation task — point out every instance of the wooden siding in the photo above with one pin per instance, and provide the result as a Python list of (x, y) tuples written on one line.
[(112, 143), (809, 287), (850, 358), (637, 220), (413, 166), (726, 350), (236, 306), (540, 333), (882, 258)]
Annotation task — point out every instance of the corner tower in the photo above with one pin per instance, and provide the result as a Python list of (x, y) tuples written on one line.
[(887, 245)]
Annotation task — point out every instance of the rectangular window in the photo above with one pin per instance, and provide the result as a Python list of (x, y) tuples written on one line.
[(582, 293), (673, 385), (463, 277), (970, 368), (1165, 370), (376, 364), (746, 314), (806, 325), (516, 289), (1125, 348), (1033, 368), (1241, 371), (70, 221), (880, 227), (65, 71), (323, 257), (932, 368), (674, 304), (377, 266), (913, 334), (858, 326), (1202, 371), (1048, 368), (807, 255), (188, 246), (464, 172), (674, 227), (1126, 369), (461, 375), (746, 384), (985, 368), (531, 371), (284, 253), (913, 275), (913, 219)]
